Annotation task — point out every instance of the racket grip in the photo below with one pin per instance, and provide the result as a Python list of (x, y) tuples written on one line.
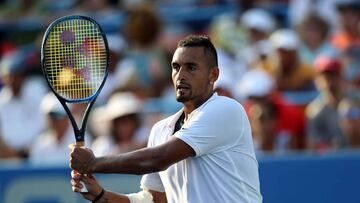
[(82, 145), (83, 189)]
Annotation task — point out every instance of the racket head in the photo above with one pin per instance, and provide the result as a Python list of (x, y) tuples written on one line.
[(74, 57)]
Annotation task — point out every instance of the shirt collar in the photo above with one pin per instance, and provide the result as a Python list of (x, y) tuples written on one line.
[(177, 115)]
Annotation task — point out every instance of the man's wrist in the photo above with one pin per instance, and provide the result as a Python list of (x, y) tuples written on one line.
[(99, 196), (91, 166)]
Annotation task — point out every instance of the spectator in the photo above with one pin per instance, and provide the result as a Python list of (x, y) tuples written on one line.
[(19, 10), (313, 31), (233, 39), (300, 9), (324, 132), (228, 45), (55, 140), (347, 38), (259, 25), (241, 47), (20, 116), (6, 44), (349, 33), (349, 111), (351, 61), (122, 114), (290, 73), (116, 75), (150, 72), (276, 125), (224, 85)]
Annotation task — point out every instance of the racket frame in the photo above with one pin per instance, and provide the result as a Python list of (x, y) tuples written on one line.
[(79, 132)]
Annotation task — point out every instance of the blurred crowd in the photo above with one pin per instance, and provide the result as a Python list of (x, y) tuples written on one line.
[(293, 64)]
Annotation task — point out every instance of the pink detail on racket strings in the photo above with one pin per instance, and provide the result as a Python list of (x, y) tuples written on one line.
[(67, 37), (90, 47), (84, 48), (83, 73)]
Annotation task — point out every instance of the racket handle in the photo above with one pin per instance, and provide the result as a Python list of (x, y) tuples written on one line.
[(82, 145), (83, 189)]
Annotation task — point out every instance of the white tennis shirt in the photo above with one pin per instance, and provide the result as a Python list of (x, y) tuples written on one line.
[(224, 169)]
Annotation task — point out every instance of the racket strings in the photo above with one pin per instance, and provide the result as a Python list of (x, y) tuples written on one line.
[(76, 59)]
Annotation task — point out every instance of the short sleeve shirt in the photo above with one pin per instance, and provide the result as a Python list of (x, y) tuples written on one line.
[(224, 168)]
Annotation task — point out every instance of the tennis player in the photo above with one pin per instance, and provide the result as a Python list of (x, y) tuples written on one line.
[(202, 154)]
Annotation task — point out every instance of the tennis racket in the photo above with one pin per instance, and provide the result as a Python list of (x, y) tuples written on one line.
[(74, 57)]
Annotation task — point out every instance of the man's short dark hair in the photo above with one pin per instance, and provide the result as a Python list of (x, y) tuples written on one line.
[(201, 41)]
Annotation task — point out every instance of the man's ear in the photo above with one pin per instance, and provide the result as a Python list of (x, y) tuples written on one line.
[(214, 74)]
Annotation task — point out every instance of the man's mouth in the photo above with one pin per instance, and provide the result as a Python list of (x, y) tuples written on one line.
[(182, 87)]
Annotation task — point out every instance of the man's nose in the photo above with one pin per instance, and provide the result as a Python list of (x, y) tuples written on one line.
[(182, 74)]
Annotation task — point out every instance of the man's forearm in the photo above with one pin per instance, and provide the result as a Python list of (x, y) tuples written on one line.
[(143, 161), (138, 162)]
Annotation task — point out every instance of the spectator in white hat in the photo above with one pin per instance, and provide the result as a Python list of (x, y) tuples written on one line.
[(225, 85), (20, 116), (290, 73), (122, 118), (259, 24)]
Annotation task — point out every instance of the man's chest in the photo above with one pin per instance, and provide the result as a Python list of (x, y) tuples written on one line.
[(176, 175)]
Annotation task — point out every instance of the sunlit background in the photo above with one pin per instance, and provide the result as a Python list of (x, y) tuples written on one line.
[(293, 64)]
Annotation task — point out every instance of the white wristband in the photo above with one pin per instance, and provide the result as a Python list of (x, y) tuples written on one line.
[(143, 196)]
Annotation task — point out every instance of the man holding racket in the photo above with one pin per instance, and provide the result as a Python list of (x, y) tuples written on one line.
[(202, 154)]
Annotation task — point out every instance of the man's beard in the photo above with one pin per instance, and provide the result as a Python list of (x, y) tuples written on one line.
[(182, 98)]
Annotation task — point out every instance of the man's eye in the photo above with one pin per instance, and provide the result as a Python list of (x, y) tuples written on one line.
[(192, 68), (176, 68)]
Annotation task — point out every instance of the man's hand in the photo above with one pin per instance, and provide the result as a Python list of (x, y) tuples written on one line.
[(94, 189), (81, 159)]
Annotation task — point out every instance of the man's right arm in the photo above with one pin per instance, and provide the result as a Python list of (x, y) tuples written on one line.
[(143, 161)]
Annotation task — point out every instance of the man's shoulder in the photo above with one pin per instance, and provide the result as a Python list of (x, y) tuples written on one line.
[(222, 109), (224, 103)]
